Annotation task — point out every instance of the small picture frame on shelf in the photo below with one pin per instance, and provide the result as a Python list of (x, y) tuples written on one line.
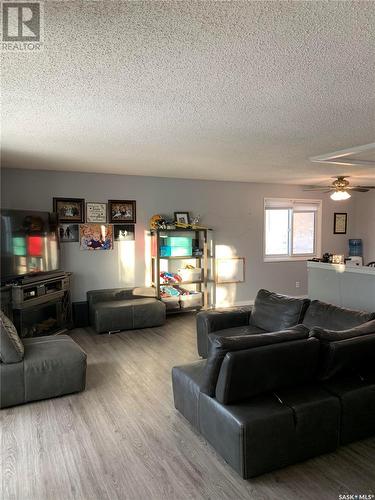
[(96, 212), (69, 209), (122, 211), (181, 217), (340, 223)]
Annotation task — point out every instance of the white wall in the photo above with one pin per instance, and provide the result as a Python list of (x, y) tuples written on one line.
[(364, 223), (233, 209)]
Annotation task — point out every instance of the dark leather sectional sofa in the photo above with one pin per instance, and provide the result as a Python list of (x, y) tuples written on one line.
[(284, 381)]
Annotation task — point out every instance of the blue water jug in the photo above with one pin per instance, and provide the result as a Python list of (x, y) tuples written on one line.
[(355, 248)]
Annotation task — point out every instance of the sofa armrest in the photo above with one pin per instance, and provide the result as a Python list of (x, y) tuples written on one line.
[(333, 335), (219, 319), (355, 354)]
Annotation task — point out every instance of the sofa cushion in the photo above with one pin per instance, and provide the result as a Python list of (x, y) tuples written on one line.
[(12, 386), (332, 317), (220, 346), (268, 432), (53, 366), (357, 398), (11, 346), (252, 436), (249, 372), (273, 312)]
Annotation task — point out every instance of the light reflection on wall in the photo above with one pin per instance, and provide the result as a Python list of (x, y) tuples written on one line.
[(126, 262), (225, 294)]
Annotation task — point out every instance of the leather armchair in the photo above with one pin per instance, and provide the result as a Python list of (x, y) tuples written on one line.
[(51, 366)]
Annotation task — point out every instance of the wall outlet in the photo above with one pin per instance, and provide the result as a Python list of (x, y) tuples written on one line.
[(298, 284)]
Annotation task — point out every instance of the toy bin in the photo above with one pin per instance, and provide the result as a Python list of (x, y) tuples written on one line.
[(180, 246), (165, 251), (193, 300), (190, 274), (171, 303)]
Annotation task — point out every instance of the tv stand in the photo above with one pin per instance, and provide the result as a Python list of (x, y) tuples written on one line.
[(32, 278), (41, 305)]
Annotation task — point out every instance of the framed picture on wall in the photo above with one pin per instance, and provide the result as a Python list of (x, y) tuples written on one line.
[(122, 211), (68, 233), (69, 209), (124, 232), (340, 223), (96, 236), (96, 212)]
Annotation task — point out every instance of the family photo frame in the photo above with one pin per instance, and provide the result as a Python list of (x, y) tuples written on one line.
[(70, 210), (122, 211)]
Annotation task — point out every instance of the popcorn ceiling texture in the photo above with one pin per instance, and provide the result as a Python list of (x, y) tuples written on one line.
[(208, 90)]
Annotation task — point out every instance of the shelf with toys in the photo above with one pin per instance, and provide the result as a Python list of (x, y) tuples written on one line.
[(182, 260)]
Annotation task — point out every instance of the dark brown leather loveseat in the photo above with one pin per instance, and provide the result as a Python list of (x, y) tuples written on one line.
[(265, 400)]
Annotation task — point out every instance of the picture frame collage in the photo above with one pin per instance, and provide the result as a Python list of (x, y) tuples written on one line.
[(95, 225)]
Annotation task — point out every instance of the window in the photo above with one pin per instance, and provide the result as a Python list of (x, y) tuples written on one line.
[(292, 229)]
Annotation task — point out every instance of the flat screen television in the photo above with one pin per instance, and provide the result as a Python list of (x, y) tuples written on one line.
[(29, 243)]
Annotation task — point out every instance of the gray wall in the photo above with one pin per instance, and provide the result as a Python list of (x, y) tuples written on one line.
[(233, 209), (364, 223)]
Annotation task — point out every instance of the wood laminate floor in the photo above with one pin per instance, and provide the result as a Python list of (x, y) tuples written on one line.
[(123, 439)]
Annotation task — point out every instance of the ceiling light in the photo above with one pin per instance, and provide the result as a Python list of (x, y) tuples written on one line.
[(340, 195)]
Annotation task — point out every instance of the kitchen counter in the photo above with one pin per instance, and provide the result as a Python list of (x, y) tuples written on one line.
[(346, 286)]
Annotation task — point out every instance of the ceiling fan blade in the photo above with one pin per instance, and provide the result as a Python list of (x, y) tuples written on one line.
[(317, 188), (365, 187), (358, 189)]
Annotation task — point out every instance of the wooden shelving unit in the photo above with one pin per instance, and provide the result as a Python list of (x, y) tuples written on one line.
[(203, 238)]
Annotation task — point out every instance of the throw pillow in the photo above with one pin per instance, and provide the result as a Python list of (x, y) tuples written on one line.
[(11, 346)]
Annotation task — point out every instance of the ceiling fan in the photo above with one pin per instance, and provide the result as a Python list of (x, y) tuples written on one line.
[(339, 188)]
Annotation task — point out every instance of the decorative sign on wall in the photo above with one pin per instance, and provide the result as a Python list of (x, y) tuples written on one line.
[(340, 223), (96, 212), (96, 237)]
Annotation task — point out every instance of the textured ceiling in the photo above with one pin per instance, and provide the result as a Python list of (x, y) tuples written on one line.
[(212, 90)]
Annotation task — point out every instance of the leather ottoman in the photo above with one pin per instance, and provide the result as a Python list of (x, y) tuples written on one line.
[(123, 309)]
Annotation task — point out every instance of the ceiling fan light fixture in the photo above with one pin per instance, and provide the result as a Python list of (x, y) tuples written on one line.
[(340, 195)]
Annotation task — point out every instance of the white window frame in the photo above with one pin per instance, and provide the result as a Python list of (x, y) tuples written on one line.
[(287, 203)]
